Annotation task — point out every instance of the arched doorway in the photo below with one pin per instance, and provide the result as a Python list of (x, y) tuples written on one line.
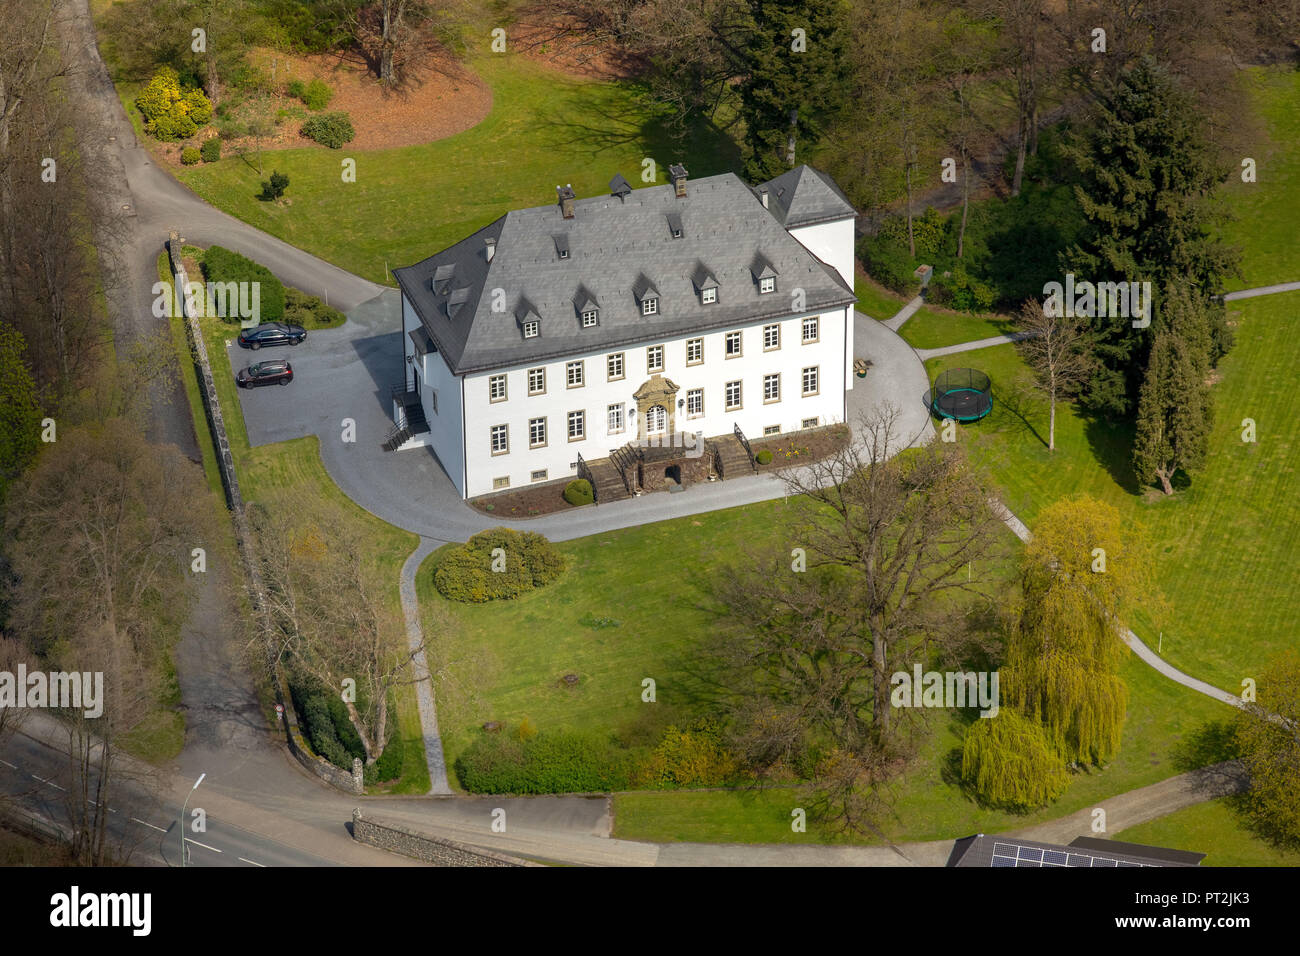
[(673, 473), (656, 420)]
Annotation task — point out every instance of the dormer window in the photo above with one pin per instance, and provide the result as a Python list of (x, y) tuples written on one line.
[(649, 306), (531, 328), (561, 245), (646, 294), (764, 274), (586, 307), (708, 296), (675, 225), (589, 319), (530, 324), (705, 284), (767, 284), (442, 276)]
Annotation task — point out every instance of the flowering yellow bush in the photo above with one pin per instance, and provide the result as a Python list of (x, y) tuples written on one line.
[(171, 113)]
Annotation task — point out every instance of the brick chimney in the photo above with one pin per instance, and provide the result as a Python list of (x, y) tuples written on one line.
[(677, 175), (566, 200)]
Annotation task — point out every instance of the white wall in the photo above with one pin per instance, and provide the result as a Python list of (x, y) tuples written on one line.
[(445, 424), (829, 354), (832, 243)]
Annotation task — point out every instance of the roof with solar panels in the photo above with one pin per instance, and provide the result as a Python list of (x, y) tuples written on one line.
[(1004, 851)]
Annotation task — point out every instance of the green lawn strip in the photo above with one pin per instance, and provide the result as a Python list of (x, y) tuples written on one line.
[(928, 802), (1214, 828), (505, 660), (1263, 211), (933, 328), (1226, 547), (875, 300), (544, 129)]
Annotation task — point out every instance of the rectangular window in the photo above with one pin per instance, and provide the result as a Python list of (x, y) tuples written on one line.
[(771, 429), (577, 426), (694, 351), (498, 483), (732, 341), (649, 306), (500, 439), (809, 423), (573, 374), (771, 337), (536, 432), (772, 388), (654, 358), (539, 475), (733, 395), (497, 388), (615, 419), (536, 381), (614, 366), (810, 329), (766, 284), (695, 403), (530, 330), (588, 319), (810, 383), (709, 296)]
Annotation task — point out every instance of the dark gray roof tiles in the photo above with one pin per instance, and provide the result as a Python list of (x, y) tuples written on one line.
[(613, 245), (804, 197)]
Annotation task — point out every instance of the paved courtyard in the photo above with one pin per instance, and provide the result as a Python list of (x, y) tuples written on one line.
[(347, 373)]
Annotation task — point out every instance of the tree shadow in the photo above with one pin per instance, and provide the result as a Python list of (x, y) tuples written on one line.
[(1111, 443), (1018, 399)]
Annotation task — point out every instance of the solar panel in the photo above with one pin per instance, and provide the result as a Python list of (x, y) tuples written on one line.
[(1015, 854)]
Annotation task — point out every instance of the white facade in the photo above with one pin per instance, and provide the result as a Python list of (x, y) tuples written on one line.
[(468, 413), (832, 243)]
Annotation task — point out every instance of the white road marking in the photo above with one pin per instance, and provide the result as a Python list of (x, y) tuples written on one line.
[(50, 782), (8, 764), (204, 845), (149, 825), (254, 863)]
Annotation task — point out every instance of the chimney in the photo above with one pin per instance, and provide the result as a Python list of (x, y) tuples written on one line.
[(677, 174), (490, 248), (762, 195), (566, 200)]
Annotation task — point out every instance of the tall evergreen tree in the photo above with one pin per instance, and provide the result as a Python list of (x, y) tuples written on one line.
[(1175, 414), (795, 79), (1146, 169)]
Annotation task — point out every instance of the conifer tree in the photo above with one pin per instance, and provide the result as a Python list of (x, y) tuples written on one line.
[(795, 78), (1175, 414)]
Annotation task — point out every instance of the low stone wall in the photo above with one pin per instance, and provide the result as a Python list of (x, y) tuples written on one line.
[(439, 851)]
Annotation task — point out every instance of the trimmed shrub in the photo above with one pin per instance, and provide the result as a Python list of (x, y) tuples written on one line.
[(189, 156), (273, 188), (763, 456), (465, 573), (579, 492), (170, 112), (551, 762), (331, 129), (690, 757), (210, 151), (222, 265), (309, 311), (317, 95)]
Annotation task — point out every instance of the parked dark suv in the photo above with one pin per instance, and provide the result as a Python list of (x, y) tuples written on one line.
[(272, 333), (266, 373)]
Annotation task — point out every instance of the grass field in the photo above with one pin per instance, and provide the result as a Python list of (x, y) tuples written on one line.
[(1226, 545), (544, 129), (933, 328), (1215, 829)]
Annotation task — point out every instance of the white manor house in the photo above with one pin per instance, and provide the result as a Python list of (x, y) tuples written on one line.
[(638, 339)]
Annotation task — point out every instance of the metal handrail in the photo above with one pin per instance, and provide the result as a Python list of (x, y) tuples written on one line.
[(745, 443), (585, 473)]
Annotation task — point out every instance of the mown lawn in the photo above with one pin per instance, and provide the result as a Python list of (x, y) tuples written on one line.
[(929, 803), (875, 300), (544, 129), (933, 328), (1226, 544), (1215, 829)]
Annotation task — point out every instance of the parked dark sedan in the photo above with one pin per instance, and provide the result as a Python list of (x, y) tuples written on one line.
[(272, 333), (277, 371)]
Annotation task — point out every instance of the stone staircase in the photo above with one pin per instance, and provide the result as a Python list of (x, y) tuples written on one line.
[(606, 481), (730, 457)]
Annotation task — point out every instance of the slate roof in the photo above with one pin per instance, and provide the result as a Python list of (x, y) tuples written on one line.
[(618, 249), (1006, 851), (804, 197)]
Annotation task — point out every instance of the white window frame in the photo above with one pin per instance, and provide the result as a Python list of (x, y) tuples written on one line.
[(611, 360), (650, 306), (615, 419), (766, 284), (708, 296), (698, 346), (589, 319), (740, 396), (695, 403), (651, 350), (815, 320), (531, 329), (771, 388), (772, 333), (541, 374), (730, 337), (817, 380), (539, 475), (493, 382), (579, 416), (569, 369), (809, 423), (504, 431), (532, 424)]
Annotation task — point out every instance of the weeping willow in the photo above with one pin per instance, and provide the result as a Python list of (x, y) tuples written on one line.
[(1009, 761)]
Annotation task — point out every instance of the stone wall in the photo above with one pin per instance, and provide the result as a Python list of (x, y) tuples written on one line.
[(439, 851)]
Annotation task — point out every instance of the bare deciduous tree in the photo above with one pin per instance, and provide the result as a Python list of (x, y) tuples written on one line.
[(1055, 352)]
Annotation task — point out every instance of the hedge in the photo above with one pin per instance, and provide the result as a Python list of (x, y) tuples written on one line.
[(763, 456), (466, 572), (222, 265), (189, 156), (210, 151), (551, 762), (309, 311), (579, 492)]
